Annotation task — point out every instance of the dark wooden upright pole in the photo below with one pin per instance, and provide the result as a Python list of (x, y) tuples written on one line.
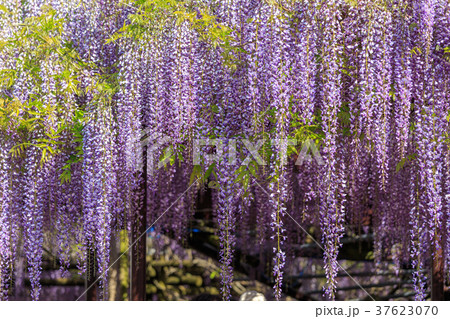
[(139, 250), (92, 285), (437, 276)]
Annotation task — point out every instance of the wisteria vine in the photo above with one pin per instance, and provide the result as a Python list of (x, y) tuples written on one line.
[(87, 83)]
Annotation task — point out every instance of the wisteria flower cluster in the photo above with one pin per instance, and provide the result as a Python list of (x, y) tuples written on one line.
[(86, 83)]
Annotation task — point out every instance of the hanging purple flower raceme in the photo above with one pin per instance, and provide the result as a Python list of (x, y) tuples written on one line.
[(447, 206), (375, 78), (166, 85), (9, 22), (441, 28), (69, 213), (226, 197), (209, 88), (264, 67), (188, 81), (442, 38), (259, 90), (369, 79), (244, 83), (226, 218), (425, 14), (33, 7), (52, 194), (366, 68), (281, 91), (429, 130), (32, 216), (20, 209), (302, 53), (93, 24), (131, 133), (9, 217), (99, 182), (232, 118), (418, 240), (278, 197), (402, 74), (331, 214), (354, 30), (105, 209), (437, 149), (253, 76)]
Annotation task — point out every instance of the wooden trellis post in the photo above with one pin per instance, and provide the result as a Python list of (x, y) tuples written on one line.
[(437, 275), (139, 249), (91, 284)]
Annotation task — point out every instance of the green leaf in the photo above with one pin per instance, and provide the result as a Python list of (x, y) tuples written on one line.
[(196, 172), (241, 171), (3, 8), (369, 256), (246, 181), (214, 185), (214, 108), (400, 165), (209, 170), (214, 274), (253, 167)]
